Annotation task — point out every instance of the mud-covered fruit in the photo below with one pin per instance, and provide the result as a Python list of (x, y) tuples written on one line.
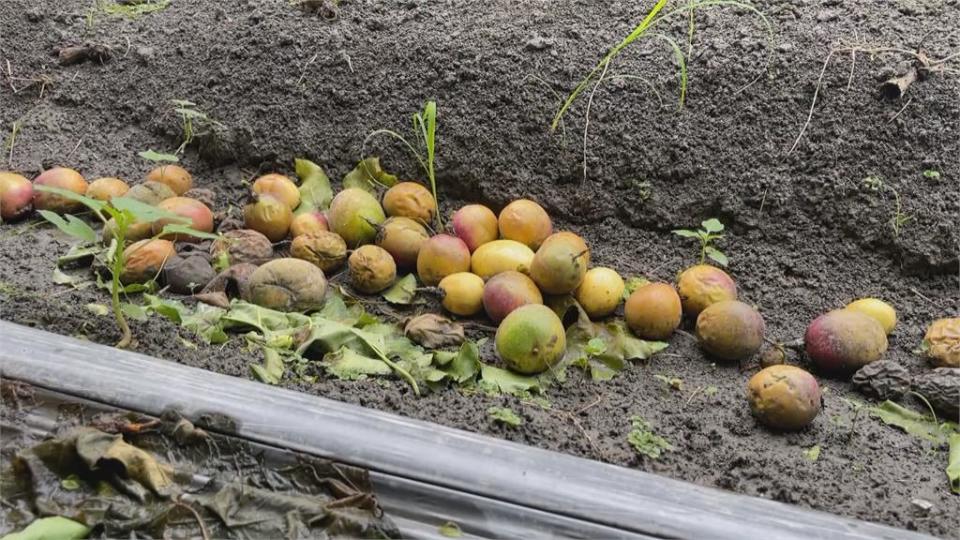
[(61, 178), (462, 293), (104, 189), (842, 341), (269, 217), (144, 260), (600, 292), (441, 256), (308, 223), (653, 311), (355, 215), (730, 330), (526, 222), (16, 195), (175, 177), (531, 339), (324, 249), (242, 246), (193, 214), (279, 187), (402, 238), (410, 200), (879, 310), (499, 256), (942, 342), (371, 269), (287, 284), (508, 291), (784, 397), (702, 285), (152, 193), (476, 225), (560, 263)]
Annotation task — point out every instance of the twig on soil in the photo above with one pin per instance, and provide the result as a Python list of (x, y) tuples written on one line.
[(813, 104), (303, 72), (905, 105), (203, 527), (586, 119), (693, 395), (75, 148)]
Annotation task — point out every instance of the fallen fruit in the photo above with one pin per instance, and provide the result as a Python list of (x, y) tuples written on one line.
[(287, 284), (144, 260), (702, 285), (842, 341), (600, 292), (941, 387), (506, 292), (204, 195), (200, 217), (653, 311), (242, 246), (410, 200), (104, 189), (135, 231), (441, 256), (526, 222), (308, 223), (773, 356), (531, 339), (433, 331), (784, 397), (371, 269), (269, 217), (173, 176), (62, 178), (942, 342), (16, 195), (499, 256), (152, 193), (354, 215), (560, 263), (325, 249), (402, 238), (462, 293), (883, 379), (878, 309), (279, 187), (476, 225), (187, 275), (730, 330)]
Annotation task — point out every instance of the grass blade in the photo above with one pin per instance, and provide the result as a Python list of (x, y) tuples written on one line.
[(681, 62)]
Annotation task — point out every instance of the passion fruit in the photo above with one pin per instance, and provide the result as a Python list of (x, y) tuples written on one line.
[(441, 256), (354, 215), (144, 260), (526, 222), (201, 218), (324, 249), (62, 178), (402, 238), (784, 397), (311, 222), (268, 216), (942, 343), (702, 285), (730, 330), (600, 292), (279, 187), (476, 225), (152, 193), (104, 189), (531, 339), (410, 200), (371, 269), (173, 176), (287, 284), (16, 195), (843, 341), (242, 246), (653, 311), (462, 293), (506, 292), (879, 310), (560, 263), (500, 256)]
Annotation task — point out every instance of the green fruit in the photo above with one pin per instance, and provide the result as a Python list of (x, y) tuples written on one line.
[(354, 215), (560, 263), (531, 339)]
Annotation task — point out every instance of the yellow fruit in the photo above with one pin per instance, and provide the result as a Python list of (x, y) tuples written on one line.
[(526, 222), (371, 269), (410, 200), (174, 176), (462, 293), (441, 256), (402, 238), (560, 263), (600, 292), (784, 397), (279, 187), (308, 223), (653, 311), (498, 256), (104, 189), (878, 309), (531, 339), (269, 217), (702, 285), (62, 178)]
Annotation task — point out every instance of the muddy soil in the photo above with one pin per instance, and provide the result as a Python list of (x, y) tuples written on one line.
[(805, 234)]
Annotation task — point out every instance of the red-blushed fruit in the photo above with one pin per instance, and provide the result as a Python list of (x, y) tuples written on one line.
[(702, 285), (600, 292), (16, 195), (355, 215), (506, 292), (308, 223), (476, 225), (104, 189), (441, 256), (410, 200), (843, 341), (462, 293), (526, 222), (286, 284), (279, 187), (371, 269), (201, 218), (402, 238), (784, 397), (268, 217), (653, 311), (560, 263), (531, 339), (730, 330), (143, 260), (152, 193), (500, 256), (62, 178), (173, 176)]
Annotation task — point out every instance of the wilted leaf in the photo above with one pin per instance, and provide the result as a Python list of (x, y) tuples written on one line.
[(350, 365), (953, 463), (403, 291), (367, 175), (51, 528), (315, 191), (99, 310), (434, 332), (71, 225), (151, 155), (133, 311), (497, 380), (95, 446), (60, 278), (812, 453), (505, 415), (914, 423), (271, 371)]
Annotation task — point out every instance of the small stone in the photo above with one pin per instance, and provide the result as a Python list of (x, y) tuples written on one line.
[(923, 505), (539, 43)]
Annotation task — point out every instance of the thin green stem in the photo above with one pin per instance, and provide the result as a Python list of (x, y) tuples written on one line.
[(118, 263)]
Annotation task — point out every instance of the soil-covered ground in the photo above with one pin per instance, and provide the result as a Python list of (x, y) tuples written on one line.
[(805, 234)]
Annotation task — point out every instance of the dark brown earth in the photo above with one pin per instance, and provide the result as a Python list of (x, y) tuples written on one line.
[(805, 235)]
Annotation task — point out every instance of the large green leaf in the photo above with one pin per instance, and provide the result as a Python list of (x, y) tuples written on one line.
[(71, 225), (953, 463), (403, 291), (914, 423), (51, 528), (350, 365), (271, 371), (497, 380), (92, 204), (143, 212)]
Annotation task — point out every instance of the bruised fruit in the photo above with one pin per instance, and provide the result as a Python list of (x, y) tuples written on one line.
[(152, 193), (242, 246), (402, 238), (526, 222), (942, 342), (371, 269), (560, 263), (324, 249), (531, 339), (842, 341), (653, 311), (269, 217), (500, 256), (144, 260), (476, 225), (730, 330), (702, 285), (173, 176), (187, 275), (287, 285), (308, 223), (441, 256), (104, 189), (462, 293), (878, 309), (355, 215), (201, 218), (506, 292), (16, 195), (600, 292), (784, 397), (62, 178), (279, 187), (410, 200), (135, 231)]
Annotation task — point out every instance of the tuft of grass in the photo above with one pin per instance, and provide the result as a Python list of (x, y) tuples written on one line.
[(644, 440), (899, 218), (709, 233), (194, 123)]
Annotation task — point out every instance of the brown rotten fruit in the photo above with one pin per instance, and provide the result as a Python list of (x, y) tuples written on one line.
[(144, 260), (730, 330), (324, 249), (62, 178), (173, 176), (371, 269), (242, 246), (287, 285), (152, 193)]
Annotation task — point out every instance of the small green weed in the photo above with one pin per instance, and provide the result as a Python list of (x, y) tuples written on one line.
[(644, 440), (931, 174), (11, 141), (707, 235), (673, 383), (505, 415), (899, 217), (158, 157)]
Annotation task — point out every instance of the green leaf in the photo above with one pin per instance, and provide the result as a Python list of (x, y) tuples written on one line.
[(315, 191), (464, 365), (271, 371), (206, 321), (133, 311), (644, 441), (171, 309), (50, 528), (144, 212), (953, 463), (175, 228), (367, 175), (403, 291), (686, 233), (716, 255), (92, 204), (497, 380), (350, 365), (914, 423), (633, 283), (931, 174), (712, 225), (450, 529), (61, 278), (72, 226), (71, 483), (595, 346), (99, 310), (150, 155), (812, 453), (505, 415)]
